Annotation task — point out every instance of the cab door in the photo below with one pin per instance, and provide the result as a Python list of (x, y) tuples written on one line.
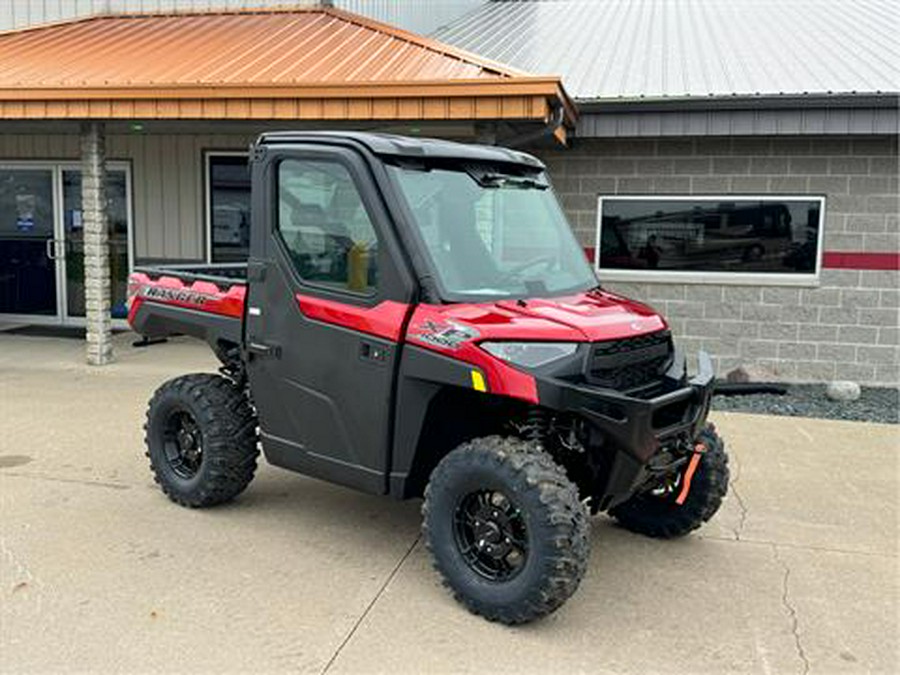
[(327, 306)]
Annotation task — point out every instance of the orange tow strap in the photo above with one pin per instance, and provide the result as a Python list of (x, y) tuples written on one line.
[(699, 449)]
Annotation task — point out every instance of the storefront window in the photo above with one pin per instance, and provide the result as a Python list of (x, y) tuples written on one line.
[(229, 207), (719, 235)]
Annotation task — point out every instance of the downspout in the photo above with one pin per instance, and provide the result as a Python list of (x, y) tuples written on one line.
[(557, 118)]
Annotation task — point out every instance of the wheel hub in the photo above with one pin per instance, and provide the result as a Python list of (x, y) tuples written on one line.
[(183, 444), (491, 535), (186, 440)]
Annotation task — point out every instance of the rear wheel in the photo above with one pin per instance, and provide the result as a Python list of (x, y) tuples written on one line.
[(505, 529), (656, 513), (201, 439)]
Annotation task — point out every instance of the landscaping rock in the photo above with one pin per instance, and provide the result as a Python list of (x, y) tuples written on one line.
[(737, 376), (843, 390), (876, 404), (750, 373)]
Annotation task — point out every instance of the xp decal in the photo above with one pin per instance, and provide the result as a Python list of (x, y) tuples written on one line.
[(445, 334)]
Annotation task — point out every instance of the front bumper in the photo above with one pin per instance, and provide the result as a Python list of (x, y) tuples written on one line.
[(635, 428)]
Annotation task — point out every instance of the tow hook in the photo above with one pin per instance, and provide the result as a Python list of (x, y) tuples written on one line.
[(699, 449)]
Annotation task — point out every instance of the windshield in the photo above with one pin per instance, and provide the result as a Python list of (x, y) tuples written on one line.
[(493, 235)]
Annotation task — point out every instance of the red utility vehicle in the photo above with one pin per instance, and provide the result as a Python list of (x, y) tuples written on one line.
[(417, 320)]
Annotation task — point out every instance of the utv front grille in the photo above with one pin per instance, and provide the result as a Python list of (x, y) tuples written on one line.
[(632, 363)]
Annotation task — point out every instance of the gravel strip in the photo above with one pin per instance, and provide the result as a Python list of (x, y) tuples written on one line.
[(877, 404)]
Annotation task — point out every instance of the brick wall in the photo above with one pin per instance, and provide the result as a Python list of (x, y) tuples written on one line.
[(846, 327)]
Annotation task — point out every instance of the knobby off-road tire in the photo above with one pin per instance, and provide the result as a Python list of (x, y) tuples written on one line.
[(207, 413), (659, 516), (543, 508)]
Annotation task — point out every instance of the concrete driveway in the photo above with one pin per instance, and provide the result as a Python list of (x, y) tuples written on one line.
[(98, 571)]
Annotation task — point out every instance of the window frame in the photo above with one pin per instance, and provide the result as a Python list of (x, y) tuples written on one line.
[(696, 277), (208, 155), (370, 298)]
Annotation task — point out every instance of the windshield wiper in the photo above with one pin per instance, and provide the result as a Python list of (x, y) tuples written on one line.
[(496, 180)]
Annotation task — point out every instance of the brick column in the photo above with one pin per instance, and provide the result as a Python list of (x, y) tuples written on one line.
[(97, 287)]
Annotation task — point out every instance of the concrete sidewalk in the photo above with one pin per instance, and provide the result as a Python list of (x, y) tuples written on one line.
[(98, 571)]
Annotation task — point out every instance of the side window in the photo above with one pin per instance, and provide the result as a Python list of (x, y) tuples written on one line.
[(325, 227)]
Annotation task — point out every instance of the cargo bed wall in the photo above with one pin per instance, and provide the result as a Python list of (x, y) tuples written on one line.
[(206, 302)]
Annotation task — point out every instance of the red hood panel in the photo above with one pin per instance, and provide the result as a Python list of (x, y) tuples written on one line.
[(455, 330), (597, 315), (585, 317)]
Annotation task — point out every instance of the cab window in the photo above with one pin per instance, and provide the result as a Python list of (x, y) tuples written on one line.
[(325, 228)]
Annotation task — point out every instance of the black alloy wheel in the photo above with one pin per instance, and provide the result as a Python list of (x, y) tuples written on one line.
[(183, 444), (202, 440), (506, 529), (491, 534)]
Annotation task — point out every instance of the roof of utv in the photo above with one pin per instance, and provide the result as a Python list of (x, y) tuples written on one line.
[(406, 146)]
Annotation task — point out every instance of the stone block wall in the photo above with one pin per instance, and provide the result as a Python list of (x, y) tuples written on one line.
[(845, 326)]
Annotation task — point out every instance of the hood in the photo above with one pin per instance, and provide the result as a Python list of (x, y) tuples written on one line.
[(585, 317), (597, 315)]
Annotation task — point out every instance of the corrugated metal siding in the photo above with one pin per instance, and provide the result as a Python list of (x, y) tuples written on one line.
[(609, 49), (771, 122), (419, 16), (167, 182)]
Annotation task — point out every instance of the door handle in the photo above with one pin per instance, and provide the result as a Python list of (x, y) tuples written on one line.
[(52, 251), (371, 351), (263, 350)]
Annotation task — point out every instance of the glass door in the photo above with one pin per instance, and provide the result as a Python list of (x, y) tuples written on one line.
[(28, 249), (73, 236)]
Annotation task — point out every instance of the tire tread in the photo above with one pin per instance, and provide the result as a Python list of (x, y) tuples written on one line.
[(564, 516), (230, 440), (641, 515)]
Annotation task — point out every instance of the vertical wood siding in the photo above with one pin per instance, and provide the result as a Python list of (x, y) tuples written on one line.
[(167, 182)]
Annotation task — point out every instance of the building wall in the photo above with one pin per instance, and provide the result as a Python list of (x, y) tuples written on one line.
[(419, 16), (846, 327), (167, 182)]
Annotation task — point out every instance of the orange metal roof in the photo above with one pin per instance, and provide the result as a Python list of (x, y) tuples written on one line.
[(315, 63)]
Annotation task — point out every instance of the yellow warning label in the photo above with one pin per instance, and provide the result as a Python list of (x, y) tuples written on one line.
[(478, 381)]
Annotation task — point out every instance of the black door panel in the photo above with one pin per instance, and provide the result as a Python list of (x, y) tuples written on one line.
[(324, 390)]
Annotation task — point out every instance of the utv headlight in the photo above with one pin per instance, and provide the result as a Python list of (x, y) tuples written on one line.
[(530, 354)]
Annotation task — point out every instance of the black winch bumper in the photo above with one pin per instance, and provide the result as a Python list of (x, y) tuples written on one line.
[(635, 428)]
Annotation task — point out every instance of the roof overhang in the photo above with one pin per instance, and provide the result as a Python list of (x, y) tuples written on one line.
[(401, 76), (523, 98), (784, 114)]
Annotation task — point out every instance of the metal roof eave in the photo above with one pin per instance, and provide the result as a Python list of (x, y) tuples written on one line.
[(740, 102)]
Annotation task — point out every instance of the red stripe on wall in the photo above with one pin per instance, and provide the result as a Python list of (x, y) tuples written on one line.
[(835, 260), (860, 261)]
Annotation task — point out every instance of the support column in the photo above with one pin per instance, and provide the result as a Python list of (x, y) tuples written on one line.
[(97, 286)]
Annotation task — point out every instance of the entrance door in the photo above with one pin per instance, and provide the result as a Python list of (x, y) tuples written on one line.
[(73, 239), (325, 313), (42, 241), (28, 272)]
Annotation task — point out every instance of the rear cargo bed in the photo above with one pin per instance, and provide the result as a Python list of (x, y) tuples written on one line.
[(204, 301)]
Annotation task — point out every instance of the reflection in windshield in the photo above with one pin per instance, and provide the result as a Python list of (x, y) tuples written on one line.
[(492, 235)]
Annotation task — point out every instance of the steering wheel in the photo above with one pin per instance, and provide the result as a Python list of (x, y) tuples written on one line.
[(546, 259)]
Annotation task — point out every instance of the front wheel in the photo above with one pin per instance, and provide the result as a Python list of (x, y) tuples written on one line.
[(656, 513), (505, 529), (201, 439)]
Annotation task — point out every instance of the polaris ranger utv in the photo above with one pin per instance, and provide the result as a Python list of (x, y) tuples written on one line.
[(416, 319)]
